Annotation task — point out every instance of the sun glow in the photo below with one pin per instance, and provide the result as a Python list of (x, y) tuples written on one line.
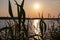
[(36, 6)]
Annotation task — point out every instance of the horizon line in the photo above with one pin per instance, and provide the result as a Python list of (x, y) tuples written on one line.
[(4, 18)]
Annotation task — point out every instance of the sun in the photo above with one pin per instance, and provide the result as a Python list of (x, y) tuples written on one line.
[(36, 6)]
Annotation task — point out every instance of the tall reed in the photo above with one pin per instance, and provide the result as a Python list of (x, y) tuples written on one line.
[(42, 26)]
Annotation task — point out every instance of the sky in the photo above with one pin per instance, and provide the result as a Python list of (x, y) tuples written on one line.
[(47, 6)]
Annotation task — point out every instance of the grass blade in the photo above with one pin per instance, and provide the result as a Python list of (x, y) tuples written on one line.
[(10, 9)]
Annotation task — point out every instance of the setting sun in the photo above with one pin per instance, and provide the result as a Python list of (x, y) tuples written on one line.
[(36, 6)]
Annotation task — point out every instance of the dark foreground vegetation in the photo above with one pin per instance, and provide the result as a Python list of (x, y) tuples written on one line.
[(21, 29)]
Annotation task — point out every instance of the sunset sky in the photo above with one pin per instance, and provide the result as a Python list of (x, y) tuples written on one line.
[(47, 6)]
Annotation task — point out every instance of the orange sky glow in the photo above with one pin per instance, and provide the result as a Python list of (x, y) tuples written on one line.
[(51, 6)]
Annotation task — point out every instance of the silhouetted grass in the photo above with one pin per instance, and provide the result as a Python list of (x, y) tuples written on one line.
[(20, 31)]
